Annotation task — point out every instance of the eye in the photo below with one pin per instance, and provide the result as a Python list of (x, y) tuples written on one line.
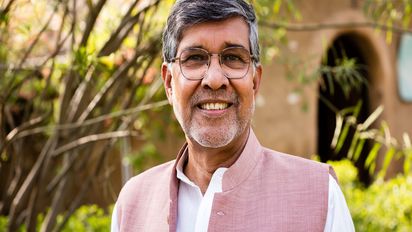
[(194, 56), (232, 58)]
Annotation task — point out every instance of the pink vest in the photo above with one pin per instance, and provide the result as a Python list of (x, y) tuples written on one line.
[(263, 190)]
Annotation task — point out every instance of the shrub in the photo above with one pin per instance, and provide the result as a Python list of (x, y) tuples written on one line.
[(88, 218), (3, 223), (383, 206)]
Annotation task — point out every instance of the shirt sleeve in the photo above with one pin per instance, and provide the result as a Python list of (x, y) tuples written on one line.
[(115, 224), (338, 217)]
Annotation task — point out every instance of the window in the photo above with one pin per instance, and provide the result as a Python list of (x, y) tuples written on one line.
[(405, 68)]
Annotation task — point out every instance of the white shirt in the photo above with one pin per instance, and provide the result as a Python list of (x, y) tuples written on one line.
[(194, 208)]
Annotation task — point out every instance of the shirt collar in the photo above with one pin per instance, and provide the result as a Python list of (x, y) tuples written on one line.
[(236, 173)]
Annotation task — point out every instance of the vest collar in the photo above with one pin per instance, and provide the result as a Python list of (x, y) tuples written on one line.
[(236, 173), (244, 165)]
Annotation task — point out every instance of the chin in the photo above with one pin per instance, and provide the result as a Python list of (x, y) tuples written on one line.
[(214, 138)]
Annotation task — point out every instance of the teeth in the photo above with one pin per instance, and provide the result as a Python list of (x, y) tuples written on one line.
[(214, 106)]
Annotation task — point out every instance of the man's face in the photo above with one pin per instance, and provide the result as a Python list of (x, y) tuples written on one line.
[(214, 111)]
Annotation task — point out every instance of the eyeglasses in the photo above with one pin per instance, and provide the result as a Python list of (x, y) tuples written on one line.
[(195, 62)]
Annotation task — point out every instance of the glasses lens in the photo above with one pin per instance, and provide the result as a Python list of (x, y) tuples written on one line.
[(235, 62), (194, 63)]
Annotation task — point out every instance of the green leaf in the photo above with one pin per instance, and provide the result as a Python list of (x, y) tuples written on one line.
[(389, 32), (407, 163), (387, 160), (359, 149), (353, 144), (342, 137), (373, 154), (276, 6)]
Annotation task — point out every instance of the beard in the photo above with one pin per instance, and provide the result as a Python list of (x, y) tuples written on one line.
[(215, 132)]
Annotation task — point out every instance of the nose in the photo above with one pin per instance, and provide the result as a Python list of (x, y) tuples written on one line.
[(215, 78)]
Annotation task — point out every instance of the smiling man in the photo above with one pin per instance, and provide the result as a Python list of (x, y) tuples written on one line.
[(223, 179)]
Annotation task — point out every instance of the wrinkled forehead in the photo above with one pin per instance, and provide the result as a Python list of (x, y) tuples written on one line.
[(215, 35)]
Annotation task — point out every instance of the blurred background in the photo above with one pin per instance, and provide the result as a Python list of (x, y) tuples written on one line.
[(82, 107)]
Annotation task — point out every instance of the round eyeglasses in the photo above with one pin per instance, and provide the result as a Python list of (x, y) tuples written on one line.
[(195, 62)]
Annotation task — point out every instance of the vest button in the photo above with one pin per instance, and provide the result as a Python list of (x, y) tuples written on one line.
[(220, 213)]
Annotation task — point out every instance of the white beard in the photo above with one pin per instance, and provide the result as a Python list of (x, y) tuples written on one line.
[(214, 137)]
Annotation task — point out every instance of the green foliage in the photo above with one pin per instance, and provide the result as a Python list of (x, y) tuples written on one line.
[(144, 158), (383, 206), (347, 74), (380, 138), (389, 13), (88, 218), (3, 223)]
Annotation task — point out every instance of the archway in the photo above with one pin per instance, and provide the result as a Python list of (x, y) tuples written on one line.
[(346, 46)]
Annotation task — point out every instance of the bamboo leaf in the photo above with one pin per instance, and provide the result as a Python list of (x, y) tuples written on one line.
[(407, 140), (357, 109), (386, 133), (338, 130), (359, 149), (353, 144), (372, 168), (342, 137), (329, 78), (408, 161), (387, 160), (372, 118), (372, 154)]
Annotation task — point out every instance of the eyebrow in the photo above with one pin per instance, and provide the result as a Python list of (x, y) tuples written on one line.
[(226, 45)]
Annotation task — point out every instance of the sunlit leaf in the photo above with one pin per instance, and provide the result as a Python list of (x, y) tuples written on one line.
[(372, 118), (338, 129), (359, 149), (373, 154), (387, 160), (353, 145)]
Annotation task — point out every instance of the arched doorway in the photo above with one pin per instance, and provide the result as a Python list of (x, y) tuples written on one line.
[(332, 97)]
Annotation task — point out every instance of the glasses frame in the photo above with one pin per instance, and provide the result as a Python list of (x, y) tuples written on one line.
[(210, 54)]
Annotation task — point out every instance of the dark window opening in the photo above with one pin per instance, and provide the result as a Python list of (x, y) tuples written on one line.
[(345, 46)]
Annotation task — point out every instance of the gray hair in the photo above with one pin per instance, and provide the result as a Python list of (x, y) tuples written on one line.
[(186, 13)]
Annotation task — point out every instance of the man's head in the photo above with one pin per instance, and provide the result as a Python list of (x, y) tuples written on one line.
[(211, 71), (187, 13)]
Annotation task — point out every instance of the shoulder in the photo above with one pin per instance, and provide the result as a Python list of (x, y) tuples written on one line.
[(149, 179), (294, 164)]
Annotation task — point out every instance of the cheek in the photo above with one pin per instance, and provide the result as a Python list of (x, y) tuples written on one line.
[(181, 93)]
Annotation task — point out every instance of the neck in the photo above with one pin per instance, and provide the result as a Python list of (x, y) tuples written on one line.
[(203, 161)]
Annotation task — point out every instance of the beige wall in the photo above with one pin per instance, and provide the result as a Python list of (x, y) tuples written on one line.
[(285, 127)]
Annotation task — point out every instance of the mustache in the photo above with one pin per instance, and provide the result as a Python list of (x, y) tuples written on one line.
[(207, 94)]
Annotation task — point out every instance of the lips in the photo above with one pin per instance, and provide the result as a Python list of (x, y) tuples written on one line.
[(214, 106)]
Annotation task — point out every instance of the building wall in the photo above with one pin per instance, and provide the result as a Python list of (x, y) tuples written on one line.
[(282, 125)]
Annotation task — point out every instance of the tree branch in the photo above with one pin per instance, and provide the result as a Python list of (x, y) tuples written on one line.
[(326, 26), (92, 138)]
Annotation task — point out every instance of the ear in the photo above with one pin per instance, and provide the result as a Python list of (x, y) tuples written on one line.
[(167, 81), (256, 79)]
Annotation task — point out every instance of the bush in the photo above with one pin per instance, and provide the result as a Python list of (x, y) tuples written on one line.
[(3, 223), (383, 206), (88, 218)]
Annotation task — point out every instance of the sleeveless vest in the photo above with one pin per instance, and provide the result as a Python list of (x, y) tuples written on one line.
[(263, 190)]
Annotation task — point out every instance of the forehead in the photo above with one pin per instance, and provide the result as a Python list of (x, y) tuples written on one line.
[(215, 36)]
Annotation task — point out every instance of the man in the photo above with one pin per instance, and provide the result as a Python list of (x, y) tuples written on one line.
[(223, 179)]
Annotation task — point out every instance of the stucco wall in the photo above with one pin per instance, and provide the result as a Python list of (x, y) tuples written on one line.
[(285, 127)]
